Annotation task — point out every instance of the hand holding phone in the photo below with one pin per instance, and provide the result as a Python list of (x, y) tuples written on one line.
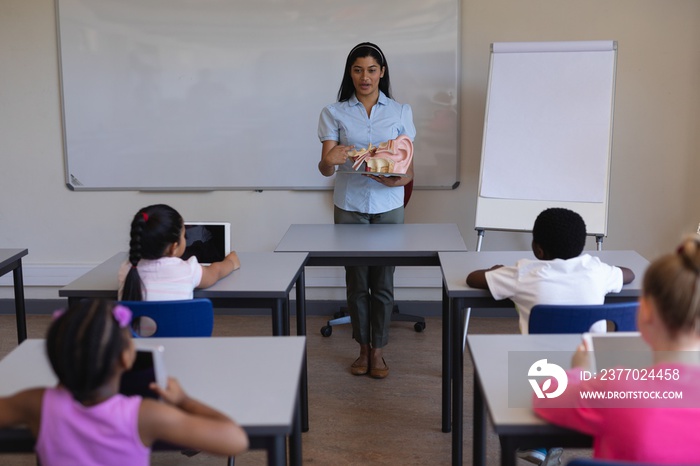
[(148, 368)]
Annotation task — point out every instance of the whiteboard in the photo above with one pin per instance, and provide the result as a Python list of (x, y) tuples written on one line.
[(547, 133), (226, 94)]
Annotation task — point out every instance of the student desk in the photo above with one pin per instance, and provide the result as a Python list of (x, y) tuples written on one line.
[(517, 427), (257, 386), (264, 280), (455, 268), (409, 244), (11, 259)]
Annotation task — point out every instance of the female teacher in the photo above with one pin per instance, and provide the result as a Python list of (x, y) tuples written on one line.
[(366, 114)]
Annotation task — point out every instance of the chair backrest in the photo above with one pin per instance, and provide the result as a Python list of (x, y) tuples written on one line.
[(597, 462), (187, 318), (579, 318), (407, 190)]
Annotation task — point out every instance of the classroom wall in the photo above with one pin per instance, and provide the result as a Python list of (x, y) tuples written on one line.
[(655, 159)]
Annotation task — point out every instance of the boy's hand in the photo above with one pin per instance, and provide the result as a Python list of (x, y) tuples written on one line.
[(173, 392)]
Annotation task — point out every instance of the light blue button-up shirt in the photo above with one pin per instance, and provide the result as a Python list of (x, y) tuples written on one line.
[(348, 124)]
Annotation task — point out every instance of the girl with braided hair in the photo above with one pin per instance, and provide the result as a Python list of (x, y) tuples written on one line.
[(85, 420), (155, 270)]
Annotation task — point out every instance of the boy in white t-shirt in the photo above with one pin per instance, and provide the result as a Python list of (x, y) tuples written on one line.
[(559, 275)]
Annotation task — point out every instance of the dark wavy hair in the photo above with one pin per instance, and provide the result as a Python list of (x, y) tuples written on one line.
[(153, 229), (365, 49), (83, 345), (561, 233)]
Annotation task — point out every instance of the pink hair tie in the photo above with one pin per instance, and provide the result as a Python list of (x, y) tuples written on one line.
[(57, 313), (145, 216), (122, 315)]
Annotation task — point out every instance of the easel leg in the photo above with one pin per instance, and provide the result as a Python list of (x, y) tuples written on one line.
[(599, 242), (479, 238)]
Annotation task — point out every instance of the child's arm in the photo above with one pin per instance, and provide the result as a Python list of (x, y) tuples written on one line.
[(627, 275), (186, 422), (22, 408), (477, 278), (218, 270)]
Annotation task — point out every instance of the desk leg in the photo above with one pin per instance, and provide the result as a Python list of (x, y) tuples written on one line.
[(295, 457), (508, 447), (278, 307), (276, 451), (301, 330), (457, 384), (446, 359), (19, 303), (479, 426), (301, 304)]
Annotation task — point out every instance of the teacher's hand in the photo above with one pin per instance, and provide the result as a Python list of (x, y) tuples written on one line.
[(338, 155), (332, 154)]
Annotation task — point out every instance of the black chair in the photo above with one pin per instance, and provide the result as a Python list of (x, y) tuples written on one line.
[(579, 318), (342, 317)]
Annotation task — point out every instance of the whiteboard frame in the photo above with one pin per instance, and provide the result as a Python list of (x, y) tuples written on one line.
[(445, 176), (518, 215)]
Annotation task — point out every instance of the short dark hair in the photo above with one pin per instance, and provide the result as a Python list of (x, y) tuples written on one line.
[(561, 233), (83, 345)]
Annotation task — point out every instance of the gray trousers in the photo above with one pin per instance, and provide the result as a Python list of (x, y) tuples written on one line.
[(370, 290)]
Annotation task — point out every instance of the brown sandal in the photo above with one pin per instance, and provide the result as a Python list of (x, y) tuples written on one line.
[(358, 367), (378, 373)]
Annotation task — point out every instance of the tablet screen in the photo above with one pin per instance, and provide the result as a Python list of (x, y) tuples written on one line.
[(209, 242), (618, 349), (136, 380)]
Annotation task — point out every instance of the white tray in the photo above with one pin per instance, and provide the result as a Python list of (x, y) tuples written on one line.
[(369, 173)]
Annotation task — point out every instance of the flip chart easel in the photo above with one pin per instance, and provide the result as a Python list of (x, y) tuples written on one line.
[(547, 134)]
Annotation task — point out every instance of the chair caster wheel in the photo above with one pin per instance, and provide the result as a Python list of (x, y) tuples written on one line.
[(419, 326), (326, 330)]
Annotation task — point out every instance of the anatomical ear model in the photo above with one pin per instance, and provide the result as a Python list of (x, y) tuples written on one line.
[(393, 156)]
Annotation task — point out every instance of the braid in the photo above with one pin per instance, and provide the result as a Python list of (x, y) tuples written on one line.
[(133, 286), (135, 243), (153, 230), (83, 346)]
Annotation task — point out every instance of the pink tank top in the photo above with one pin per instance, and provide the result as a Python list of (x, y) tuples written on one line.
[(104, 434)]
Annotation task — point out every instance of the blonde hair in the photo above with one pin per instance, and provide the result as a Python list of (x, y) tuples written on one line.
[(671, 282)]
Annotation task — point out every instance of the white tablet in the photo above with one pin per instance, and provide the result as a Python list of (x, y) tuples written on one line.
[(618, 349), (208, 241), (148, 367)]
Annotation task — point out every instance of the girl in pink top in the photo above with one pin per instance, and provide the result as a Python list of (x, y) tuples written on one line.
[(647, 424), (155, 270), (84, 420)]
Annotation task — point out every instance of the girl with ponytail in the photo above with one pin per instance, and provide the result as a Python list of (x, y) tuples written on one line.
[(155, 270)]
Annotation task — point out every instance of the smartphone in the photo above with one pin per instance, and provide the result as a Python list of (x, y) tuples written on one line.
[(147, 368)]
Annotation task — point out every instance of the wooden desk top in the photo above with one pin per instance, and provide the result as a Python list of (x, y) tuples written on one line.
[(362, 240), (508, 398), (262, 274), (252, 379), (457, 265), (9, 256)]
